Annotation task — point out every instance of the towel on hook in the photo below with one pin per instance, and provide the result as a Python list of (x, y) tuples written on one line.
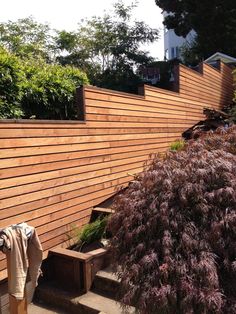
[(24, 252)]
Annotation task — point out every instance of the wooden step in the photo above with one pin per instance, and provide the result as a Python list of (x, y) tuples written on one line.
[(70, 302), (103, 304), (106, 283), (100, 212), (37, 308), (103, 210)]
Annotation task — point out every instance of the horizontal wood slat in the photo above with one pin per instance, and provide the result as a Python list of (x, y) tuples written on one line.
[(53, 174)]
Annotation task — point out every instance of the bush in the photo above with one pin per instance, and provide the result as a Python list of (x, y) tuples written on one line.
[(174, 231), (177, 145), (11, 76), (49, 91), (35, 89)]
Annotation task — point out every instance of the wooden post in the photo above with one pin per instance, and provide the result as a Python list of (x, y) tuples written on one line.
[(87, 274), (16, 306)]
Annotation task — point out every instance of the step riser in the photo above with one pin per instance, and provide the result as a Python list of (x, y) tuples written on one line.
[(106, 287), (52, 299)]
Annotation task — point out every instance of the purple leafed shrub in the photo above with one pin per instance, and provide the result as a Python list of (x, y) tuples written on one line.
[(174, 231)]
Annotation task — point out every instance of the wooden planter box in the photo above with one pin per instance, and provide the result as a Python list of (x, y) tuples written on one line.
[(74, 270)]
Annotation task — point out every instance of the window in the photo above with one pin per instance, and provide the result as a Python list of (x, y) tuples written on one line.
[(177, 52), (166, 57)]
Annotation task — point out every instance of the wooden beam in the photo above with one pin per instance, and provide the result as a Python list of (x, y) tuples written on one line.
[(103, 210)]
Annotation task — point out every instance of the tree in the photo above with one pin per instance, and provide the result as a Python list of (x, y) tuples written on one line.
[(213, 21), (108, 47), (26, 37), (174, 230)]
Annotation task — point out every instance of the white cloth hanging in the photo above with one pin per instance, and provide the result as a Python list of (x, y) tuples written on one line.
[(24, 251)]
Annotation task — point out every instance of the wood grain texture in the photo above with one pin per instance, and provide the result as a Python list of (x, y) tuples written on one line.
[(52, 174)]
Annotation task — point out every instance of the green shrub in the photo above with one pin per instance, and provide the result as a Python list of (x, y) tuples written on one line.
[(177, 145), (34, 89), (11, 76), (49, 91)]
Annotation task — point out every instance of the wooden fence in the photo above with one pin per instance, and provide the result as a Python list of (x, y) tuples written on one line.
[(53, 173)]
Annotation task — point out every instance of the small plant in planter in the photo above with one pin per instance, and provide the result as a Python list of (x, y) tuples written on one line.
[(91, 235), (177, 145)]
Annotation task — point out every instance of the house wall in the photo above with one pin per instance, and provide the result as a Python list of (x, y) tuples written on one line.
[(174, 43), (53, 173)]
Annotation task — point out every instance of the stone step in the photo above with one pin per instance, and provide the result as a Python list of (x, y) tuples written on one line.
[(71, 302), (36, 308), (103, 304), (106, 283)]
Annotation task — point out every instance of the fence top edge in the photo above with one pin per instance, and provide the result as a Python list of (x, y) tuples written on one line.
[(37, 121)]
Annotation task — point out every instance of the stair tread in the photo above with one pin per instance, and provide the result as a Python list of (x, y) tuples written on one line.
[(108, 274), (91, 300), (103, 304), (37, 308)]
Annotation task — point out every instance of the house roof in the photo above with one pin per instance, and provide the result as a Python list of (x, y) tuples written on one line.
[(220, 56)]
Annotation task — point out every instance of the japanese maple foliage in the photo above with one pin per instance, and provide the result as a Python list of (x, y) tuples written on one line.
[(174, 230)]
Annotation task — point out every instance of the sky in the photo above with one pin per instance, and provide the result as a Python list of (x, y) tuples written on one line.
[(66, 14)]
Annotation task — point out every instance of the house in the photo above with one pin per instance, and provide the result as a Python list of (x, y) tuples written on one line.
[(174, 43), (219, 56), (149, 74)]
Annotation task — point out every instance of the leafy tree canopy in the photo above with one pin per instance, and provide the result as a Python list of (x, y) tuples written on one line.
[(213, 21), (108, 47), (41, 67), (26, 37)]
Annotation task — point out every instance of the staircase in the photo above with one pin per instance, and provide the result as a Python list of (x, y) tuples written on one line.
[(100, 299)]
